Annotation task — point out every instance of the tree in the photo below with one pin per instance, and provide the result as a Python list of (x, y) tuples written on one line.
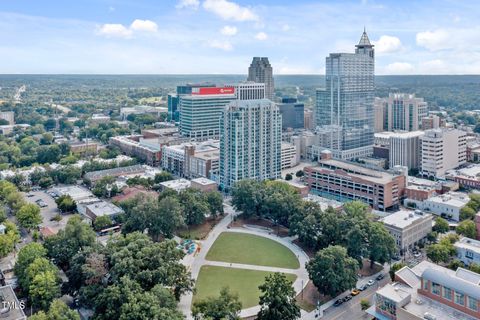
[(47, 138), (299, 173), (467, 228), (15, 201), (394, 268), (333, 271), (215, 203), (9, 239), (163, 176), (58, 311), (26, 256), (278, 299), (45, 182), (288, 177), (475, 267), (195, 207), (441, 225), (381, 244), (438, 253), (65, 203), (167, 219), (467, 213), (44, 289), (248, 197), (364, 304), (38, 266), (225, 307), (29, 216), (102, 222)]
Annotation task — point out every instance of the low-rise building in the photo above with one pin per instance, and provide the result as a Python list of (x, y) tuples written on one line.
[(77, 193), (126, 111), (429, 291), (83, 147), (99, 118), (446, 205), (8, 116), (148, 150), (468, 250), (10, 307), (324, 203), (137, 170), (346, 181), (176, 185), (468, 177), (203, 184), (408, 228), (102, 208)]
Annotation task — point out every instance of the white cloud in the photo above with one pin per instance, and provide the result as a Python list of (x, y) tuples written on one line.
[(193, 4), (144, 25), (399, 68), (114, 30), (285, 27), (228, 10), (261, 36), (222, 45), (434, 40), (387, 44), (229, 31)]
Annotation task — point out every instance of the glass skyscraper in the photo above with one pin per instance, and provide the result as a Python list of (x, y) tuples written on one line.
[(345, 106)]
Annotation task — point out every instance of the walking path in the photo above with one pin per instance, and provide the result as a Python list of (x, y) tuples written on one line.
[(195, 263)]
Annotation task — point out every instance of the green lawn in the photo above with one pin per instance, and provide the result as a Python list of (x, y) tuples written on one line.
[(245, 282), (251, 249)]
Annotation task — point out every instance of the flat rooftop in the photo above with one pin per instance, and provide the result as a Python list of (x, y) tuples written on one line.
[(177, 185), (203, 181), (452, 199), (103, 208), (15, 313), (468, 244), (404, 218), (74, 191)]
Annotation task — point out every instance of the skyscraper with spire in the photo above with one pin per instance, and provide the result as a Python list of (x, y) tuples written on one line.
[(345, 106), (261, 71)]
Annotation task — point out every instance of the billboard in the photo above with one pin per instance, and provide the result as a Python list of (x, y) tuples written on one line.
[(212, 90)]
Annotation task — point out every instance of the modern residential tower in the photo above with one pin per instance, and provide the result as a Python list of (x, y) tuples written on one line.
[(250, 142), (399, 112), (261, 71), (346, 103)]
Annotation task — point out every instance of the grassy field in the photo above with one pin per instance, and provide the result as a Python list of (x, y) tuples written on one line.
[(251, 249), (245, 282)]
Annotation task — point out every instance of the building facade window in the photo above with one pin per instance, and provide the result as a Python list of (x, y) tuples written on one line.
[(425, 284), (436, 288), (459, 298), (469, 254), (447, 293), (473, 304)]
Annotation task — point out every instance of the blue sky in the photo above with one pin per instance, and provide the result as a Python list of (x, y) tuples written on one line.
[(221, 36)]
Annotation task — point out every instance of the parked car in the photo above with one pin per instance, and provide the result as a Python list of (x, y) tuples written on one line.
[(355, 292), (338, 302), (417, 254), (30, 195), (363, 287), (41, 203), (370, 282), (380, 276), (347, 298)]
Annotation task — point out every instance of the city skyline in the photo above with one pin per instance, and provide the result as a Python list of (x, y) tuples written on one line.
[(222, 36)]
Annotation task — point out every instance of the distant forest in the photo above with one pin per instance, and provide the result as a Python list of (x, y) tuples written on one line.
[(460, 92)]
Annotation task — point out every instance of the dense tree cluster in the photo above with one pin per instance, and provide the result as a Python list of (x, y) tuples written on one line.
[(226, 306), (277, 300), (472, 207), (444, 250), (65, 204)]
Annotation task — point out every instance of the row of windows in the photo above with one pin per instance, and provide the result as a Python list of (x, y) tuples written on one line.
[(446, 293)]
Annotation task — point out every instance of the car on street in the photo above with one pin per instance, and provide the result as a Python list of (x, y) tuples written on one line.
[(338, 302), (355, 292), (363, 287), (41, 203), (347, 298), (417, 254), (380, 276), (370, 282), (29, 195)]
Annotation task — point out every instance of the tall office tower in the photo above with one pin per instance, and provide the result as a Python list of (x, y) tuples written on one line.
[(261, 71), (293, 115), (173, 98), (347, 100), (201, 110), (442, 150), (400, 112), (250, 142)]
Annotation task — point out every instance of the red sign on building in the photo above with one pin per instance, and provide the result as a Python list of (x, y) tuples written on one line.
[(213, 90)]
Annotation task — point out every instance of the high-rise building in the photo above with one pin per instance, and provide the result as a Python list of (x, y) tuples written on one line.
[(432, 122), (172, 101), (261, 71), (250, 142), (442, 150), (399, 112), (293, 115), (308, 119), (347, 100), (201, 110), (249, 90), (404, 148)]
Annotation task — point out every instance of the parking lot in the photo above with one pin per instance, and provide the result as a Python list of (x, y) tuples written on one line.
[(49, 211)]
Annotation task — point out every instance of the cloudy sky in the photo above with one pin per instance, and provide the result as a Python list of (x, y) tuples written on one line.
[(221, 36)]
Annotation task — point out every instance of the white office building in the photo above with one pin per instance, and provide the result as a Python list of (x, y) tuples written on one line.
[(290, 155), (468, 250), (442, 150), (404, 147), (447, 205), (250, 142)]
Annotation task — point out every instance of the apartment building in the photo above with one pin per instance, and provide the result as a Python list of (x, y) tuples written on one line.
[(399, 111), (442, 150), (346, 181), (148, 150)]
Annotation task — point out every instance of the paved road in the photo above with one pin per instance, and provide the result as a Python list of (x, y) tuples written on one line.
[(195, 263)]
